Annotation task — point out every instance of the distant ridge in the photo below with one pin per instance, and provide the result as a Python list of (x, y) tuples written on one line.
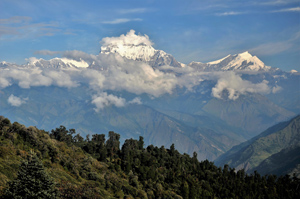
[(275, 151)]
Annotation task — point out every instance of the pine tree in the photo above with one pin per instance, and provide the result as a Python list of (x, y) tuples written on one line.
[(32, 181)]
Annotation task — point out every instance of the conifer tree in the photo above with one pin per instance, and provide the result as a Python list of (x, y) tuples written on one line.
[(32, 181)]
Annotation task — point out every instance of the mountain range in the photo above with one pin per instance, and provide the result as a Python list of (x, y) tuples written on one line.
[(135, 90)]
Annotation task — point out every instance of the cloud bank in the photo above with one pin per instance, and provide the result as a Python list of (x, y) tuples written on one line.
[(235, 86)]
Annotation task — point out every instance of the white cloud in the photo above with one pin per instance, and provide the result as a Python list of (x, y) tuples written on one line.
[(4, 82), (138, 78), (277, 47), (276, 2), (94, 78), (25, 78), (133, 10), (276, 89), (234, 85), (129, 38), (230, 13), (61, 78), (295, 9), (121, 20), (136, 100), (16, 101), (103, 99), (113, 72), (272, 48), (28, 77), (107, 72)]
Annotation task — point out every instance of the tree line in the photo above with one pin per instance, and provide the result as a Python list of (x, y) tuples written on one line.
[(136, 171)]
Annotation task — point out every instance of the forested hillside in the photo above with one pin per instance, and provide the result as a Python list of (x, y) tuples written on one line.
[(96, 167)]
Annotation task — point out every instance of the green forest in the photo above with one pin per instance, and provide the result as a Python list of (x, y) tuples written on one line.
[(62, 164)]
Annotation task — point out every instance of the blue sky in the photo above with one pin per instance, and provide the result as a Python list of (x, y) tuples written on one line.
[(190, 30)]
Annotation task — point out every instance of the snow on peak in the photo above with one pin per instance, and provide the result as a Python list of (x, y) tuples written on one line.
[(130, 46), (138, 48), (218, 61), (33, 60), (245, 61), (245, 55), (78, 64), (134, 52), (242, 61), (57, 63)]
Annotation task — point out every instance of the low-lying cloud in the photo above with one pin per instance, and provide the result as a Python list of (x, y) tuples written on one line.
[(103, 99), (235, 86), (16, 101), (28, 77)]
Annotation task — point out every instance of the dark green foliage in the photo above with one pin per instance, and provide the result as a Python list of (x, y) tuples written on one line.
[(99, 169), (32, 181), (62, 134), (113, 144)]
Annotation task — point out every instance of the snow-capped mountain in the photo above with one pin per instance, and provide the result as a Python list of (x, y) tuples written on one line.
[(156, 58), (141, 52), (58, 63), (239, 62)]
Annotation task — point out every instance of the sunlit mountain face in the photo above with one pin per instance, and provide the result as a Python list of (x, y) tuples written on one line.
[(136, 90)]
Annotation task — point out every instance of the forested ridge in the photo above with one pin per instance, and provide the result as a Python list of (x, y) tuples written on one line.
[(98, 167)]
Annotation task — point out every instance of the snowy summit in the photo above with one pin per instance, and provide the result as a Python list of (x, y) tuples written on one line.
[(238, 62), (130, 46), (138, 48), (242, 61)]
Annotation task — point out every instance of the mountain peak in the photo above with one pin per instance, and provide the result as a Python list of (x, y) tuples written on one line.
[(245, 55), (130, 46), (138, 48), (243, 61)]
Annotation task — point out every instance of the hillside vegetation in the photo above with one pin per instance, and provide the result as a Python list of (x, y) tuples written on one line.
[(96, 167)]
